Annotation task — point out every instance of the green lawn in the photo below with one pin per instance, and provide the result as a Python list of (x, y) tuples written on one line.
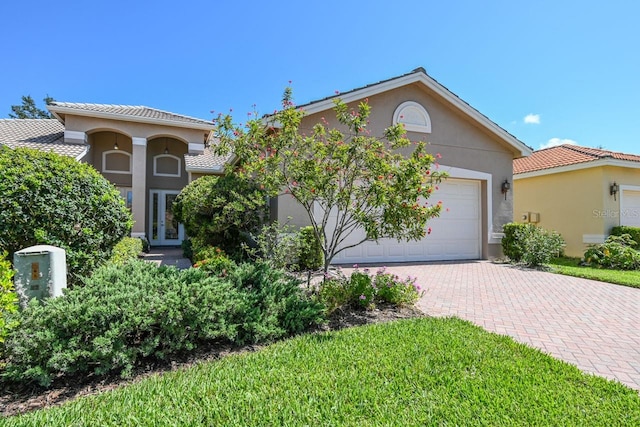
[(427, 371), (571, 267)]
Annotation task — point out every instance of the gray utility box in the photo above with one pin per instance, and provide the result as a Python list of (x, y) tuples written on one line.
[(41, 272)]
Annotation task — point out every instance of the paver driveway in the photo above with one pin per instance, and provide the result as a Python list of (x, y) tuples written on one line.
[(593, 325)]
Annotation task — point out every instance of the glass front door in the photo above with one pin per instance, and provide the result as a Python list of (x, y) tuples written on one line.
[(165, 230)]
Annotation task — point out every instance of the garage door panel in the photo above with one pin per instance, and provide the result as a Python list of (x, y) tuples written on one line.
[(454, 235), (630, 208)]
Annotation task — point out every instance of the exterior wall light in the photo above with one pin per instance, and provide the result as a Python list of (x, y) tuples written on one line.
[(505, 188), (115, 146), (613, 190)]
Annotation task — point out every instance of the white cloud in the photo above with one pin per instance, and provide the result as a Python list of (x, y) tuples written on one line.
[(532, 119), (554, 142)]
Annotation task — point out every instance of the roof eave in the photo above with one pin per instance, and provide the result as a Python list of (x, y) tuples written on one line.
[(520, 148), (606, 161), (59, 111)]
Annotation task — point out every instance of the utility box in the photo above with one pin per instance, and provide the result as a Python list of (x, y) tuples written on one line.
[(41, 272)]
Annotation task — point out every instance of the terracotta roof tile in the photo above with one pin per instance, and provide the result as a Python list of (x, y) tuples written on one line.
[(566, 155), (40, 134)]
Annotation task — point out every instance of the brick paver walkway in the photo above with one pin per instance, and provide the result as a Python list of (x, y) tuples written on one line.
[(593, 325)]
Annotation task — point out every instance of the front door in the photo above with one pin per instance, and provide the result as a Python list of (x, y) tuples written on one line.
[(165, 230)]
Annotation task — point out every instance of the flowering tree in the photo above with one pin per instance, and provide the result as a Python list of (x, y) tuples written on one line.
[(340, 176)]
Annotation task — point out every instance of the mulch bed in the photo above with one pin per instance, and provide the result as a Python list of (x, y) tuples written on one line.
[(18, 401)]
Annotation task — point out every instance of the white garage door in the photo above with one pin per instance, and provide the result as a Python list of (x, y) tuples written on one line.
[(630, 208), (455, 235)]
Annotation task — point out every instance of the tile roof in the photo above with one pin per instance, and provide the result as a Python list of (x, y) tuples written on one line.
[(206, 161), (133, 111), (566, 155), (40, 134)]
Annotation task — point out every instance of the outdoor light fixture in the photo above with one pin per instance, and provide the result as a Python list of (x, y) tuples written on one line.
[(115, 146), (505, 188), (166, 146), (613, 190)]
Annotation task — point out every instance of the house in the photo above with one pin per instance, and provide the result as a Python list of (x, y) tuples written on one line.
[(477, 154), (151, 154), (148, 154), (577, 191)]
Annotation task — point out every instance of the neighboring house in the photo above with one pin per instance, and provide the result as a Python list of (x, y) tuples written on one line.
[(150, 155), (477, 153), (579, 192)]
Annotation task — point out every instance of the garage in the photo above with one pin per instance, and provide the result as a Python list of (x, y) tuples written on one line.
[(630, 208), (455, 235)]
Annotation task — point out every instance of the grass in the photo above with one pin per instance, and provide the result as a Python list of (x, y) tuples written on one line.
[(428, 371), (572, 267)]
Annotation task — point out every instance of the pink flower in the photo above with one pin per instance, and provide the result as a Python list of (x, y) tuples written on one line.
[(362, 297), (355, 265)]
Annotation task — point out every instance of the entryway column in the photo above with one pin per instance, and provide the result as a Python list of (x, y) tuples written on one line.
[(139, 184)]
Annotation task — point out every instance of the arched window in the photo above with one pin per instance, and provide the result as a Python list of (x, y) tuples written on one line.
[(167, 165), (414, 117), (116, 161)]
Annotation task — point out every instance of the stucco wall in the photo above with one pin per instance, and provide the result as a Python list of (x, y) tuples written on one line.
[(611, 207), (460, 142), (570, 203)]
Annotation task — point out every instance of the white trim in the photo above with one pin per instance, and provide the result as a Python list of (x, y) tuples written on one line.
[(196, 147), (155, 165), (414, 106), (104, 162), (161, 213), (593, 238), (139, 235), (629, 187), (436, 87), (217, 169), (57, 110), (87, 148), (74, 135), (608, 161), (135, 140), (624, 211)]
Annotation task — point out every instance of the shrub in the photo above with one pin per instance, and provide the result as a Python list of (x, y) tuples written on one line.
[(219, 211), (633, 232), (530, 244), (138, 312), (363, 290), (8, 298), (617, 252), (214, 261), (56, 200), (511, 245), (277, 305), (310, 251), (126, 250)]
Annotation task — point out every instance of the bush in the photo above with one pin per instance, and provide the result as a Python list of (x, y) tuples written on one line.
[(56, 200), (126, 250), (219, 211), (139, 312), (617, 252), (633, 232), (530, 244), (276, 304), (310, 252), (214, 261), (363, 290), (8, 298), (511, 245)]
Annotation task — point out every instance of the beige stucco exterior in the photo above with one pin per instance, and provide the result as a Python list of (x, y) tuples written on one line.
[(148, 157), (467, 151), (576, 203)]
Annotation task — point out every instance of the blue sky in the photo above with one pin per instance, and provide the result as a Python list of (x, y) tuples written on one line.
[(546, 71)]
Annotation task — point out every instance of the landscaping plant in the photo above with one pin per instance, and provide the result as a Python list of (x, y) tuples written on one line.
[(530, 244), (341, 174), (221, 211), (633, 232), (55, 200), (126, 315), (617, 252), (362, 289), (127, 249), (8, 298)]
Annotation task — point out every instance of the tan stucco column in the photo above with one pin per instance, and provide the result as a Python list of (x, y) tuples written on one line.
[(139, 184)]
